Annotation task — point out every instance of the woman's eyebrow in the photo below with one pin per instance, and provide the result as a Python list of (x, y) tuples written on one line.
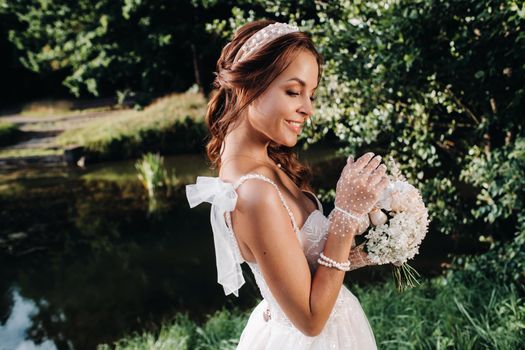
[(300, 81)]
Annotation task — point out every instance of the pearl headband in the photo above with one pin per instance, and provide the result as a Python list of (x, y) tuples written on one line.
[(264, 36)]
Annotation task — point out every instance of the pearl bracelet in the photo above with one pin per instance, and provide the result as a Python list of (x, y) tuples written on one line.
[(326, 261)]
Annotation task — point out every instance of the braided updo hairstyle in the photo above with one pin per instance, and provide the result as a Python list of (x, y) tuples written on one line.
[(237, 84)]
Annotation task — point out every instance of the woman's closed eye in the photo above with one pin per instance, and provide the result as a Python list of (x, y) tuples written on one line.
[(293, 93)]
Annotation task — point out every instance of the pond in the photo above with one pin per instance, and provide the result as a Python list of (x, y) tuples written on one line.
[(83, 261)]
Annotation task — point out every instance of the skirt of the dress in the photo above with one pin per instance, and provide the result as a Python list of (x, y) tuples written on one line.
[(346, 328)]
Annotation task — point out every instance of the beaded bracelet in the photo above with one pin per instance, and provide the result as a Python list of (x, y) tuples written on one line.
[(340, 227), (349, 214), (326, 261)]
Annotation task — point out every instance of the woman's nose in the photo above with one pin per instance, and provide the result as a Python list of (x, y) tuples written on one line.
[(307, 108)]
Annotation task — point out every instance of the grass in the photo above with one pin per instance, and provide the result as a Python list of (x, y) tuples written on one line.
[(221, 331), (29, 152), (171, 124), (54, 108), (47, 107), (438, 315), (463, 309)]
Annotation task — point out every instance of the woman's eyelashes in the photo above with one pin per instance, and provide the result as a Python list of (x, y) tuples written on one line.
[(293, 93)]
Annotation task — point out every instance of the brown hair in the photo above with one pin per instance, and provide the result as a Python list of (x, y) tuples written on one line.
[(237, 84)]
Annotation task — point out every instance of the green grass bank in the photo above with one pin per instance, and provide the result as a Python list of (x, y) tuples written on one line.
[(477, 305), (170, 125)]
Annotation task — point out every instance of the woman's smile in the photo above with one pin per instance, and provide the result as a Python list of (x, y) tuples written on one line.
[(294, 126)]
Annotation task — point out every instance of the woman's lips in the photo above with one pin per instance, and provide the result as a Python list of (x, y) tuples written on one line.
[(295, 126)]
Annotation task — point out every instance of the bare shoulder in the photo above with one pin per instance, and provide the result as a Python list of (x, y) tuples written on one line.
[(258, 202), (249, 187), (254, 192)]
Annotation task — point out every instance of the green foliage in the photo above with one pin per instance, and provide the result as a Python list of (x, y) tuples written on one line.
[(9, 133), (221, 331), (141, 48), (175, 336), (407, 87), (443, 315), (499, 175)]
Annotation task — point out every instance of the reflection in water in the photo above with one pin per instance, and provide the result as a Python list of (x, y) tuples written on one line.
[(109, 267), (14, 332)]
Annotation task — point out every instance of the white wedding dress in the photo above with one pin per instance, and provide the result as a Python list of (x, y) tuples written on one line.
[(268, 327)]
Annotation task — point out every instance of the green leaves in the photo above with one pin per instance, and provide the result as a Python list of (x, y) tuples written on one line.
[(428, 83), (103, 46)]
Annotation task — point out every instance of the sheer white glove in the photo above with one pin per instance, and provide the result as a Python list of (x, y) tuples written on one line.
[(358, 190), (359, 258), (360, 184)]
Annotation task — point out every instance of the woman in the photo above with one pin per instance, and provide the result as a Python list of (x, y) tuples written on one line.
[(263, 211)]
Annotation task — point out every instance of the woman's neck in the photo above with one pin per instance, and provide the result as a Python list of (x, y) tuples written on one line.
[(244, 140)]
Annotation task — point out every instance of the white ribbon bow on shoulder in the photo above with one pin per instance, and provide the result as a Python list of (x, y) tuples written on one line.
[(223, 198)]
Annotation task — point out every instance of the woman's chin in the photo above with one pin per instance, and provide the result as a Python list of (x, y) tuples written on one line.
[(287, 139), (290, 142)]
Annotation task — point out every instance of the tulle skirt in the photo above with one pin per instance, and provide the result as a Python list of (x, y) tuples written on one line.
[(346, 328)]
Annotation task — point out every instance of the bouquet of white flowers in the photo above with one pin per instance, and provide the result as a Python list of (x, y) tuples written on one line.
[(396, 236)]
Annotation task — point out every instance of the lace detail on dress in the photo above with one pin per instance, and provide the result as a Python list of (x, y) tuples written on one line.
[(313, 237), (277, 315)]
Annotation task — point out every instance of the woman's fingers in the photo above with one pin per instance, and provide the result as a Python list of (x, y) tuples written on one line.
[(363, 161), (372, 165), (377, 175), (381, 168), (383, 183)]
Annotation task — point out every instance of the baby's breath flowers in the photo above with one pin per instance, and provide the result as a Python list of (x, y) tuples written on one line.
[(397, 240)]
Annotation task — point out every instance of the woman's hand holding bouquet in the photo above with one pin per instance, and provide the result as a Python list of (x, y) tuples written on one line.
[(400, 222)]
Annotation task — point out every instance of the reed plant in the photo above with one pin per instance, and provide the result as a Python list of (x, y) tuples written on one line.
[(154, 176), (152, 173)]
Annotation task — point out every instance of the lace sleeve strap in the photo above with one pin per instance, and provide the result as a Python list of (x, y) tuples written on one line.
[(223, 198)]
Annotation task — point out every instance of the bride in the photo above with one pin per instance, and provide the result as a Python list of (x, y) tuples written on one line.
[(263, 210)]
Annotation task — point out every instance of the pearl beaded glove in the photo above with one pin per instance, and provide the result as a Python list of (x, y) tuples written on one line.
[(358, 190)]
